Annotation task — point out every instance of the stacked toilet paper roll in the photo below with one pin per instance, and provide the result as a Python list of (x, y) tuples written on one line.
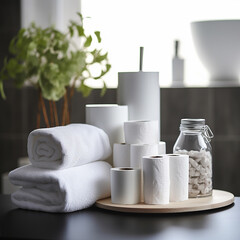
[(121, 155), (137, 151), (156, 179), (110, 118), (163, 177), (141, 132), (161, 148), (143, 137)]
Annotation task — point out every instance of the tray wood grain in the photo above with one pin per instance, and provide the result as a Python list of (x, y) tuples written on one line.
[(217, 200)]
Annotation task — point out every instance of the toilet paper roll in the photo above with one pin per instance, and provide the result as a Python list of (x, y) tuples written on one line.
[(141, 132), (156, 180), (179, 171), (141, 92), (125, 185), (161, 148), (137, 151), (121, 155), (110, 118)]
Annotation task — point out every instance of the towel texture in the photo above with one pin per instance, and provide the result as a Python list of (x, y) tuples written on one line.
[(64, 190), (67, 146)]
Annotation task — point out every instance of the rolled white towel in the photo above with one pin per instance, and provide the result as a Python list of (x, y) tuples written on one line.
[(67, 146), (65, 190)]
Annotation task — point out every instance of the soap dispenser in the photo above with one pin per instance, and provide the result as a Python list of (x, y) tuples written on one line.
[(177, 65)]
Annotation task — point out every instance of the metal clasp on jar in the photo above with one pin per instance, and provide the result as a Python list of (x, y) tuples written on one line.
[(207, 132)]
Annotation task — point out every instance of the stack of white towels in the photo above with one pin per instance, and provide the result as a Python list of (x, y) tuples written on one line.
[(67, 170)]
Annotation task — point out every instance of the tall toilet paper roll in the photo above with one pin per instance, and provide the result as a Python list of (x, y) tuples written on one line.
[(156, 180), (121, 155), (141, 92), (137, 151), (110, 118), (125, 185), (141, 132), (179, 171)]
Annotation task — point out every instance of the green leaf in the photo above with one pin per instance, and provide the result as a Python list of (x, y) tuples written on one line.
[(80, 30), (103, 72), (100, 58), (12, 48), (70, 28), (20, 79), (21, 32), (2, 90), (80, 15), (94, 52), (97, 33), (32, 47), (104, 89), (51, 91), (65, 46), (84, 89), (108, 67), (88, 41), (11, 67)]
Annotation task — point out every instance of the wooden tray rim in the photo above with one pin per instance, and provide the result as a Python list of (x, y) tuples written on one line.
[(218, 199)]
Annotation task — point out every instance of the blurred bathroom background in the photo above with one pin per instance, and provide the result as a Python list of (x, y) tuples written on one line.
[(125, 25)]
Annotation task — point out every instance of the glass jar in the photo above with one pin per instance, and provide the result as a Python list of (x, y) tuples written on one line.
[(194, 140)]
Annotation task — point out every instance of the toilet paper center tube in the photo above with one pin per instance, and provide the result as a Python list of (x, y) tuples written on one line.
[(124, 169), (174, 155), (140, 121), (157, 156), (170, 155)]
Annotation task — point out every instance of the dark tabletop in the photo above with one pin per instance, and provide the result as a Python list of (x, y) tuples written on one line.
[(97, 224)]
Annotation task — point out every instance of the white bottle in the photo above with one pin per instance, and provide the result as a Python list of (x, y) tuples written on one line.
[(177, 66)]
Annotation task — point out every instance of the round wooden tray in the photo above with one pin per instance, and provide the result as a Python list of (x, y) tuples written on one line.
[(217, 200)]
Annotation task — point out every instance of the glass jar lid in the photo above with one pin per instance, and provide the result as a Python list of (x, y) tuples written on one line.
[(190, 123), (197, 124)]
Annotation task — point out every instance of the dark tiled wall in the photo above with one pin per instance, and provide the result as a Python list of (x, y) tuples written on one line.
[(221, 109), (219, 106), (9, 24), (11, 139)]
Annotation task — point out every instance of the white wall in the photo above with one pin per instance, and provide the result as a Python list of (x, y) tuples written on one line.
[(127, 24), (49, 12)]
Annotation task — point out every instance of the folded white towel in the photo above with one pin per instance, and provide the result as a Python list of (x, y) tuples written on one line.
[(67, 146), (64, 190)]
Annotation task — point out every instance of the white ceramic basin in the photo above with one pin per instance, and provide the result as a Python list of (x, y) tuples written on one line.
[(218, 46)]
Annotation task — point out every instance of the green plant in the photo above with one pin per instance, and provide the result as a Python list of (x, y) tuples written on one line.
[(55, 64)]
